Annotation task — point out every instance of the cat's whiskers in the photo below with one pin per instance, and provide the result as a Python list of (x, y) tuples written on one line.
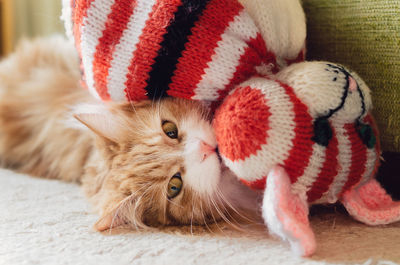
[(213, 217), (138, 202), (150, 157), (159, 107), (204, 218), (164, 193), (152, 107), (191, 219), (210, 199), (232, 221), (174, 203), (222, 214), (225, 201), (122, 205), (140, 120)]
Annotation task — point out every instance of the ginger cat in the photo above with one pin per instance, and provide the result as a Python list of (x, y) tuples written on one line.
[(141, 164)]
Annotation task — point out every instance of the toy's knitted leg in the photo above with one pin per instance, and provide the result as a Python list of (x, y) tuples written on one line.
[(371, 204), (286, 214)]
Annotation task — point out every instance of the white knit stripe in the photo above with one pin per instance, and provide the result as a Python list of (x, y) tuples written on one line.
[(344, 159), (92, 30), (282, 23), (369, 166), (227, 54), (304, 183), (66, 16), (280, 134), (124, 50)]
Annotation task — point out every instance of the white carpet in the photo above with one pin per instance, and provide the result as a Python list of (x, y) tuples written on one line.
[(49, 222)]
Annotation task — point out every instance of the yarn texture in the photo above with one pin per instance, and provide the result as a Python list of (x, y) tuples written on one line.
[(364, 35), (281, 130), (134, 50)]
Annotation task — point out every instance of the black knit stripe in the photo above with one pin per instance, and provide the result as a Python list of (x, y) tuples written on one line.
[(173, 44)]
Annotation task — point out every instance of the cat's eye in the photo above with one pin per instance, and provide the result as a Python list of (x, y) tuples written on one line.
[(174, 186), (170, 129)]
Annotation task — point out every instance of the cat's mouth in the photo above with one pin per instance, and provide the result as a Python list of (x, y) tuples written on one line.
[(221, 161)]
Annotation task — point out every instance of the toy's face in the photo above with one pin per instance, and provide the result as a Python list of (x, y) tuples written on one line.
[(352, 93), (329, 90)]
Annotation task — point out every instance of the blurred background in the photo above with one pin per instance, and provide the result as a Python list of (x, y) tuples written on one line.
[(27, 18)]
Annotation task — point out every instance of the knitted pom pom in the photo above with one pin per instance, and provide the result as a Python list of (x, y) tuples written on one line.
[(240, 134)]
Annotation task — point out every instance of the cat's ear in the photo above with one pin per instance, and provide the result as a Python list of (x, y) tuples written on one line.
[(101, 121), (110, 220)]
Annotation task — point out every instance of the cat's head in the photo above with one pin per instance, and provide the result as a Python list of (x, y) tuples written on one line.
[(156, 164)]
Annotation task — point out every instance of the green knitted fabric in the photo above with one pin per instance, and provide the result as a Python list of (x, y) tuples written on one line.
[(364, 35)]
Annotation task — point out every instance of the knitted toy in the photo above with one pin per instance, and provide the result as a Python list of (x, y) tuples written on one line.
[(195, 49), (305, 136), (302, 132)]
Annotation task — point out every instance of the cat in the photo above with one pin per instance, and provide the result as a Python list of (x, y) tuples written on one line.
[(142, 164)]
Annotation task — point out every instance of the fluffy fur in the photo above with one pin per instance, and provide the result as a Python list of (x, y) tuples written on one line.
[(121, 156)]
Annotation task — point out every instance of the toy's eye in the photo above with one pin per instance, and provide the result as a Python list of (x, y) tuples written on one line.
[(174, 186), (170, 129), (367, 135)]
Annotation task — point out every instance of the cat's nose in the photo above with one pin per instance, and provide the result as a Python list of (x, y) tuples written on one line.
[(206, 150)]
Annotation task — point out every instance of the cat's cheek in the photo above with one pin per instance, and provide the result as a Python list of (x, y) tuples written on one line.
[(203, 177)]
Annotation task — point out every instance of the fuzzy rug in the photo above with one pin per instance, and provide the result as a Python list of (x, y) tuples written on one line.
[(50, 222)]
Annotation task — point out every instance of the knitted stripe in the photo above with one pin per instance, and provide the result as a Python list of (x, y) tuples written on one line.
[(147, 48), (300, 58), (285, 38), (172, 46), (369, 165), (79, 13), (305, 182), (328, 172), (254, 55), (301, 150), (67, 16), (372, 154), (201, 51), (280, 135), (116, 24), (358, 158), (370, 120), (176, 49), (258, 184), (92, 29), (344, 160), (123, 54), (228, 53)]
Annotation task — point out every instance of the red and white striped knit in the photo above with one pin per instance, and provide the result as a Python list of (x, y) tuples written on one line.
[(202, 50), (312, 120), (138, 49)]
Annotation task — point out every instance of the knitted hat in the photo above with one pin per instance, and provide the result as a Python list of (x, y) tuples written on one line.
[(314, 122), (138, 49)]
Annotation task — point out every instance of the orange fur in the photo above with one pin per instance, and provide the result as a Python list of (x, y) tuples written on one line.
[(124, 161)]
